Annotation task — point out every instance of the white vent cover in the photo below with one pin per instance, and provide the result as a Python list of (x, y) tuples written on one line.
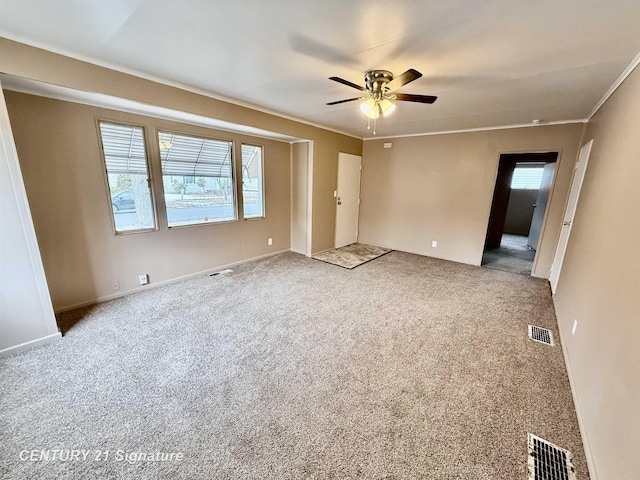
[(221, 272), (542, 335), (548, 461)]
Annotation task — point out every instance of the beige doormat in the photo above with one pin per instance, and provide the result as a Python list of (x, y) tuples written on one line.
[(350, 256)]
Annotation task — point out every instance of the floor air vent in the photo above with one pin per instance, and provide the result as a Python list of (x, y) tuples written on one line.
[(548, 461), (541, 335), (221, 272)]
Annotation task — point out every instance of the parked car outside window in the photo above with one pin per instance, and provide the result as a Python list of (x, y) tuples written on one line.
[(123, 201)]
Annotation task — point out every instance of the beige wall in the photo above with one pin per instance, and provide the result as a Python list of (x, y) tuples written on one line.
[(600, 287), (59, 151), (33, 63), (299, 196), (520, 211), (440, 187)]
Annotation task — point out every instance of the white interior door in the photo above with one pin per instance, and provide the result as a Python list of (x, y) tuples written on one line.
[(348, 199), (541, 205), (576, 185)]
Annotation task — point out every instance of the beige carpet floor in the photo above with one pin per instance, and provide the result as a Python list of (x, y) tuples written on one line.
[(288, 368)]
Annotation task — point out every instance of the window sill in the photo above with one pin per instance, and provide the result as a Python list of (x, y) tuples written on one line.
[(203, 224)]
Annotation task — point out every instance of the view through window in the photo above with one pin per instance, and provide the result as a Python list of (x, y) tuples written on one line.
[(252, 183), (197, 175), (128, 177), (527, 177)]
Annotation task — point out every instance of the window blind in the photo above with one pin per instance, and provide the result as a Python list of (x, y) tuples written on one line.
[(527, 178)]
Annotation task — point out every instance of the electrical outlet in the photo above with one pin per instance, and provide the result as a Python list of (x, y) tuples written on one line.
[(143, 279), (115, 285), (270, 241), (434, 243), (575, 325)]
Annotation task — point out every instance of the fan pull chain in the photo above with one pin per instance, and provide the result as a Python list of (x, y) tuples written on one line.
[(368, 124), (375, 121)]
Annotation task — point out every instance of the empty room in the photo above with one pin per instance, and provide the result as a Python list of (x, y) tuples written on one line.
[(319, 239)]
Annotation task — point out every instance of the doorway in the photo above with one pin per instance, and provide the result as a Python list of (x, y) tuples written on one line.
[(347, 199), (518, 210)]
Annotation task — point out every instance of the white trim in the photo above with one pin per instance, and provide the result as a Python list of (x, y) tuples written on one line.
[(573, 199), (591, 464), (165, 282), (163, 81), (87, 59), (480, 129), (623, 76), (30, 344)]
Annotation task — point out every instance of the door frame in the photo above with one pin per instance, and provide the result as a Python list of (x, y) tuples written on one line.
[(576, 188), (558, 159)]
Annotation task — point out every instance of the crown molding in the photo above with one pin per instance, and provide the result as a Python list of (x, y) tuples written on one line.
[(623, 76), (118, 68), (481, 129)]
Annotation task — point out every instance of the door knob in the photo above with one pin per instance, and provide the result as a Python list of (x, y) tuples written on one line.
[(339, 201)]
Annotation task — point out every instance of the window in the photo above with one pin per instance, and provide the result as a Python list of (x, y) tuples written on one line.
[(527, 178), (252, 182), (197, 174), (128, 177)]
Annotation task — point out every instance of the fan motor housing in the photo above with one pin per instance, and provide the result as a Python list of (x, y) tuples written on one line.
[(377, 79)]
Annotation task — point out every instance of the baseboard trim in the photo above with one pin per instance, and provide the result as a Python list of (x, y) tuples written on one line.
[(164, 282), (30, 344), (593, 473), (422, 254)]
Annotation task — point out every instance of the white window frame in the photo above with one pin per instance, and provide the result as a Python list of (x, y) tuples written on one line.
[(264, 206), (155, 228), (234, 186)]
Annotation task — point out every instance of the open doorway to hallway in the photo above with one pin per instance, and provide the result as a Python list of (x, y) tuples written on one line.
[(519, 205)]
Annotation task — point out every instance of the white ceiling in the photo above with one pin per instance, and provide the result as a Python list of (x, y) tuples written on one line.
[(491, 63)]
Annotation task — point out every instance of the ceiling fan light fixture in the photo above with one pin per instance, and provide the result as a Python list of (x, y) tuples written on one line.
[(369, 108), (387, 106)]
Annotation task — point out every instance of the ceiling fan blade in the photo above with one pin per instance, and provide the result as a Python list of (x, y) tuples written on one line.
[(344, 101), (408, 97), (401, 80), (347, 83)]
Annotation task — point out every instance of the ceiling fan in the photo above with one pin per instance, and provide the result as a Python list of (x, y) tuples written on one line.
[(379, 89)]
